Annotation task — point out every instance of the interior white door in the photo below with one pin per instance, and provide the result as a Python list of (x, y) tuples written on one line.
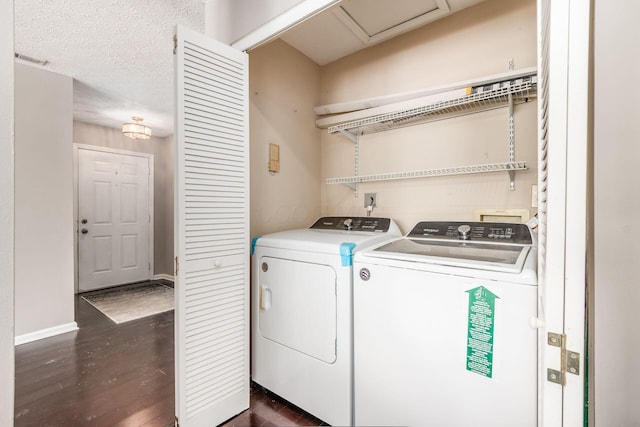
[(563, 176), (114, 219), (212, 231)]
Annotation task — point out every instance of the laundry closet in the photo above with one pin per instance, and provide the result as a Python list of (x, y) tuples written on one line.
[(482, 40), (489, 38), (460, 166)]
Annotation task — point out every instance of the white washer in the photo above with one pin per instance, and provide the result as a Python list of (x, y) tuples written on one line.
[(302, 287), (442, 333)]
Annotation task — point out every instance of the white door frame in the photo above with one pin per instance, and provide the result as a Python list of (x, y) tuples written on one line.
[(566, 224), (76, 148)]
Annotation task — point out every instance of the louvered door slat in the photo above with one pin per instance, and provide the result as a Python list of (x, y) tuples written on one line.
[(198, 143), (212, 223), (543, 130)]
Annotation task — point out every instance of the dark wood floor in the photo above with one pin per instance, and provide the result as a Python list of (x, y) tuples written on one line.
[(267, 410), (117, 375)]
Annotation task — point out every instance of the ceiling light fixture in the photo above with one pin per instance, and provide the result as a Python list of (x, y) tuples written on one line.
[(136, 130)]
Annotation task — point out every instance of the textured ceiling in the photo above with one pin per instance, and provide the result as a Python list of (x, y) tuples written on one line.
[(118, 52)]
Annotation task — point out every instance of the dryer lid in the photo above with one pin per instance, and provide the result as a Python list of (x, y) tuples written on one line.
[(328, 235)]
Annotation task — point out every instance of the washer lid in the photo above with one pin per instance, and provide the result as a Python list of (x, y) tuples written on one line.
[(474, 245), (508, 259), (462, 254)]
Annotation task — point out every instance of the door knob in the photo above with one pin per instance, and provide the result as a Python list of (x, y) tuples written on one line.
[(84, 220), (84, 231)]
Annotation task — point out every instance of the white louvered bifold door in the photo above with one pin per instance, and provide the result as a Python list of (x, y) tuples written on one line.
[(211, 231), (564, 96)]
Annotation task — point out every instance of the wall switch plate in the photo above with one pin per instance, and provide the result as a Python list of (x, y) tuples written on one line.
[(534, 196), (370, 199), (274, 158)]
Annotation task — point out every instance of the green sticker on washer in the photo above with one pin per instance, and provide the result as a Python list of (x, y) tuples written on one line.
[(480, 331)]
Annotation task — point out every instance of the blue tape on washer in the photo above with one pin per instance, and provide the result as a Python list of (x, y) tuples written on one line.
[(253, 244), (346, 254)]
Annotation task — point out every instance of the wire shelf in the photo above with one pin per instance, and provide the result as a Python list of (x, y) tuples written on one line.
[(456, 170), (493, 95), (481, 100)]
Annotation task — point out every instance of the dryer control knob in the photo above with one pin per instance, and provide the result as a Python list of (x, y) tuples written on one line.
[(348, 223), (464, 232)]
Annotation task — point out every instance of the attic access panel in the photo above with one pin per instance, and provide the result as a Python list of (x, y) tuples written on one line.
[(373, 22)]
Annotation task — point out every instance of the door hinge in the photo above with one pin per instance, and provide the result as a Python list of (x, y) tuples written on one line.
[(177, 266), (569, 360), (175, 43), (149, 265)]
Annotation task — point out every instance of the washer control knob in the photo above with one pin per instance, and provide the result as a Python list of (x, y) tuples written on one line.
[(348, 223), (464, 232)]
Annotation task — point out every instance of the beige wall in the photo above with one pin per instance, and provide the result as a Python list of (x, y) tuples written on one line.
[(43, 200), (473, 43), (163, 233), (163, 155), (7, 367), (283, 88), (616, 206)]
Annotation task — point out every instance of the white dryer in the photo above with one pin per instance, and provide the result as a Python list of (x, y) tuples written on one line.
[(442, 333), (302, 312)]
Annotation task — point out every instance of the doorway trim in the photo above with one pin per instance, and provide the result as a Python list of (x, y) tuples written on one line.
[(76, 224)]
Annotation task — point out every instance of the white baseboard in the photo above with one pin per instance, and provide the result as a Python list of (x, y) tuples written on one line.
[(46, 333), (163, 276)]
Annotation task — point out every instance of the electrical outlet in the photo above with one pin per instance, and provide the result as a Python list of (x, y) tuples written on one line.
[(370, 199), (534, 196)]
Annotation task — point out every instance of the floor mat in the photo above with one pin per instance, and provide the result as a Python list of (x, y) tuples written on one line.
[(132, 302)]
